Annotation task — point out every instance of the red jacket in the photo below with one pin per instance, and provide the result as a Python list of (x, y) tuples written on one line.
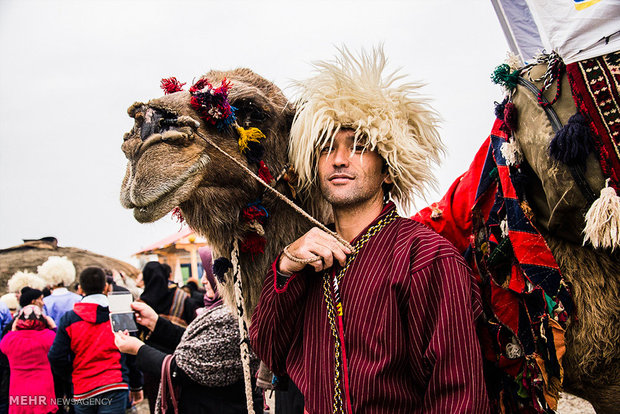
[(84, 346)]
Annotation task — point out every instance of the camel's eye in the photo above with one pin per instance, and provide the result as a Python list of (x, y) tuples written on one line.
[(248, 113), (156, 121)]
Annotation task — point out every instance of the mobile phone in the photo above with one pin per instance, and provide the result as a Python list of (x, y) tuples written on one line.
[(121, 316)]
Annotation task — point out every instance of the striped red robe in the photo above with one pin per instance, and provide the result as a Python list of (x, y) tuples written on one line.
[(409, 308)]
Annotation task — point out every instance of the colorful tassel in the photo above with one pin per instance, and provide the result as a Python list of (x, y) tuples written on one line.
[(499, 109), (603, 220), (220, 267), (264, 174), (511, 151), (573, 143), (254, 211), (510, 116), (248, 135), (177, 214), (436, 212), (212, 104), (503, 76), (253, 243), (171, 85), (503, 225)]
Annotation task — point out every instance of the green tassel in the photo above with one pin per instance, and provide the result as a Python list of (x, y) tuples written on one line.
[(493, 174), (502, 76)]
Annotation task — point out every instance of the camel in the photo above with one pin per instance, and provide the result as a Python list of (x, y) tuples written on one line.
[(171, 163), (592, 360)]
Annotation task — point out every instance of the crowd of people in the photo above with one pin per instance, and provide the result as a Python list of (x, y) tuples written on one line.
[(59, 352)]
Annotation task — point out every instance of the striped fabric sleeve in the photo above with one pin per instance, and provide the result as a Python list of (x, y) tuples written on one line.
[(442, 291), (277, 318)]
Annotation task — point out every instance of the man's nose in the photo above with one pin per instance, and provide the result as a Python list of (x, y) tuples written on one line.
[(341, 157)]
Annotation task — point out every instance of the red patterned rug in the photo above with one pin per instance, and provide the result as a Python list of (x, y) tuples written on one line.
[(595, 85)]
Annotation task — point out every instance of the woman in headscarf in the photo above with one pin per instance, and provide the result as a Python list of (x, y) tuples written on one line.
[(204, 372), (171, 302), (31, 388)]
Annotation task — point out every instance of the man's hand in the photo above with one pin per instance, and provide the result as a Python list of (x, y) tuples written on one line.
[(136, 397), (145, 315), (127, 344), (314, 243)]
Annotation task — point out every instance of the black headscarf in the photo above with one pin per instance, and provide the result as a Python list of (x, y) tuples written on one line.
[(156, 293)]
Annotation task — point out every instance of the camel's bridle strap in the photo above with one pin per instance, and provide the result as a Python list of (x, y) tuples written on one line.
[(278, 194)]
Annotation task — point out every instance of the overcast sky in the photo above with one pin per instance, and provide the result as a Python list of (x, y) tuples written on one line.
[(70, 69)]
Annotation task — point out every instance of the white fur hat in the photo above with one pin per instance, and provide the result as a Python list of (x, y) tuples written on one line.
[(22, 279), (10, 300), (387, 114), (57, 271)]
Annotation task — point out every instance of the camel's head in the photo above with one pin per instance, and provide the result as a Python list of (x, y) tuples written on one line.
[(170, 164)]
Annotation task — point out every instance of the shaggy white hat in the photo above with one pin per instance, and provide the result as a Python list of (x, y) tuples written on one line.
[(22, 279), (386, 114), (10, 300), (57, 271)]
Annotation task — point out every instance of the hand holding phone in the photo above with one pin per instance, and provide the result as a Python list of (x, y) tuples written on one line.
[(121, 314)]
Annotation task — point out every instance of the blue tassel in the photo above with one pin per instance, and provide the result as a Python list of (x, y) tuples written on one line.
[(573, 143), (220, 267), (499, 109)]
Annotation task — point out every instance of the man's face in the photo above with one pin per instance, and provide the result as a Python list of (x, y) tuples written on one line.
[(350, 176)]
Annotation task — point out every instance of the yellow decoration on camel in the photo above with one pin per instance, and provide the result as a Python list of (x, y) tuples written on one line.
[(247, 135)]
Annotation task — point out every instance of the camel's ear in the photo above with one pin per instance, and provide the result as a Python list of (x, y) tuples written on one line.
[(131, 111)]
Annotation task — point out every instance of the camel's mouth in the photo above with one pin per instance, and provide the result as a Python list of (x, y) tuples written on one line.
[(154, 198)]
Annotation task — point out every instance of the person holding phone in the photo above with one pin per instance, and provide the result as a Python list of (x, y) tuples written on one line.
[(205, 367), (84, 351)]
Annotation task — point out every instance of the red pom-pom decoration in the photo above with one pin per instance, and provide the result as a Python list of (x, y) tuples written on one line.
[(178, 215), (510, 116), (171, 85), (255, 212), (264, 174), (253, 243), (212, 103)]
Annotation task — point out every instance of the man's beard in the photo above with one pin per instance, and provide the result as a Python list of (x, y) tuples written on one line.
[(349, 200)]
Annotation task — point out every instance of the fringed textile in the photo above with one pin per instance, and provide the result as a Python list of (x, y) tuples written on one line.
[(595, 84), (528, 303)]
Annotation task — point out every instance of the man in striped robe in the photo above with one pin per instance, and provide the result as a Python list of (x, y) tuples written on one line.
[(385, 325)]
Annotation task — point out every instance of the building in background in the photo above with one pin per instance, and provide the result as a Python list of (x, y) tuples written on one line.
[(179, 251)]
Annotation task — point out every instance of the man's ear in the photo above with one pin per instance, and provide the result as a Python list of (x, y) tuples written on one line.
[(388, 179)]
